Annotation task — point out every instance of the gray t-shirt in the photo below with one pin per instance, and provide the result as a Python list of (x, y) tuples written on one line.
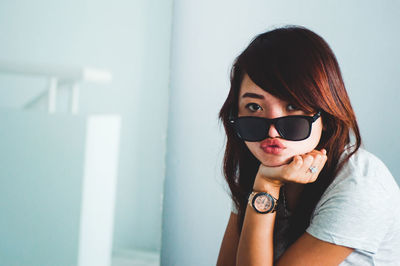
[(359, 209)]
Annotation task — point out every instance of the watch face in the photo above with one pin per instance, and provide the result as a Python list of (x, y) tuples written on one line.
[(263, 202)]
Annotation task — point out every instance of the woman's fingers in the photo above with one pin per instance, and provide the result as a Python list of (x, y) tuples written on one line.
[(306, 168), (316, 167), (303, 169)]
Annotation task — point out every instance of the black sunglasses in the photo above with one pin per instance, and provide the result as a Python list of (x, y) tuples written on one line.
[(292, 127)]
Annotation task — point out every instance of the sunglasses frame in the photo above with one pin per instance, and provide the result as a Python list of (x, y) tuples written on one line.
[(310, 119)]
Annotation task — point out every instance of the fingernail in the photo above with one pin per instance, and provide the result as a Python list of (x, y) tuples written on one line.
[(324, 151)]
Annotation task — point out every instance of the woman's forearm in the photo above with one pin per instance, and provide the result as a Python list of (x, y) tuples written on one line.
[(256, 239)]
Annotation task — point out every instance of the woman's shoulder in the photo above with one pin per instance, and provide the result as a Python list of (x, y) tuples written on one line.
[(365, 194), (365, 171), (363, 165), (366, 162)]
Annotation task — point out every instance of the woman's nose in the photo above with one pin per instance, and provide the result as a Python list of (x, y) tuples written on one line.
[(272, 132)]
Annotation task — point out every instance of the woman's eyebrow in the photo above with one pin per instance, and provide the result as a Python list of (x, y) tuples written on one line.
[(253, 95)]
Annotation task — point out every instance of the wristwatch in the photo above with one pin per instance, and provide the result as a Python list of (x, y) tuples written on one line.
[(262, 202)]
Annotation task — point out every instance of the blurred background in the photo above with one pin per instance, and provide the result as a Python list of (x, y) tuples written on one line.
[(117, 54), (111, 149)]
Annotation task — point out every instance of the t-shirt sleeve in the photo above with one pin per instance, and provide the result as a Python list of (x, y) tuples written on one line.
[(355, 212)]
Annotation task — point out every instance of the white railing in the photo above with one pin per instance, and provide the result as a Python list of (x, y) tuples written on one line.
[(57, 76)]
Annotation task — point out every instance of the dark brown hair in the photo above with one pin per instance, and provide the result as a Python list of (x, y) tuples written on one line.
[(298, 66)]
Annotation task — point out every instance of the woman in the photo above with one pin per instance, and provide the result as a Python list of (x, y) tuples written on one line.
[(304, 192)]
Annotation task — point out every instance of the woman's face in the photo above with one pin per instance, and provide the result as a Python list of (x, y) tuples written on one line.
[(254, 101)]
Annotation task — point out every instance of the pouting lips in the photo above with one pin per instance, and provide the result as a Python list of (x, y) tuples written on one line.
[(271, 143)]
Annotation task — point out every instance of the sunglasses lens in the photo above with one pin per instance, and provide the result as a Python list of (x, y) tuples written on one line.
[(294, 128), (289, 127), (252, 128)]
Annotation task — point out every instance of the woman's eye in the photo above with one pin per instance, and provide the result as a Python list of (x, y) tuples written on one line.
[(253, 107), (292, 107)]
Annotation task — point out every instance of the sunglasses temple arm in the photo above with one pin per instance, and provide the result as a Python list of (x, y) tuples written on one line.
[(315, 117)]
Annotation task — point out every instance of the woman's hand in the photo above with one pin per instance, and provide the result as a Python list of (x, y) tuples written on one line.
[(297, 171)]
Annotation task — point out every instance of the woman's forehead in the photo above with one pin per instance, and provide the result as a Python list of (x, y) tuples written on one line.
[(250, 90)]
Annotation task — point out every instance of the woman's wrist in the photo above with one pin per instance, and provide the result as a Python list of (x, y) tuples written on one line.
[(262, 184)]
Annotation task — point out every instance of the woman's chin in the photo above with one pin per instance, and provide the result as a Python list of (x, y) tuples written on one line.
[(275, 162)]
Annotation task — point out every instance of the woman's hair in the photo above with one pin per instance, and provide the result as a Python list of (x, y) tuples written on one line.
[(298, 66)]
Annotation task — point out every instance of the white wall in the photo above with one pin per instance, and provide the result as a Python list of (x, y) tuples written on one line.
[(57, 205), (207, 36), (131, 39)]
